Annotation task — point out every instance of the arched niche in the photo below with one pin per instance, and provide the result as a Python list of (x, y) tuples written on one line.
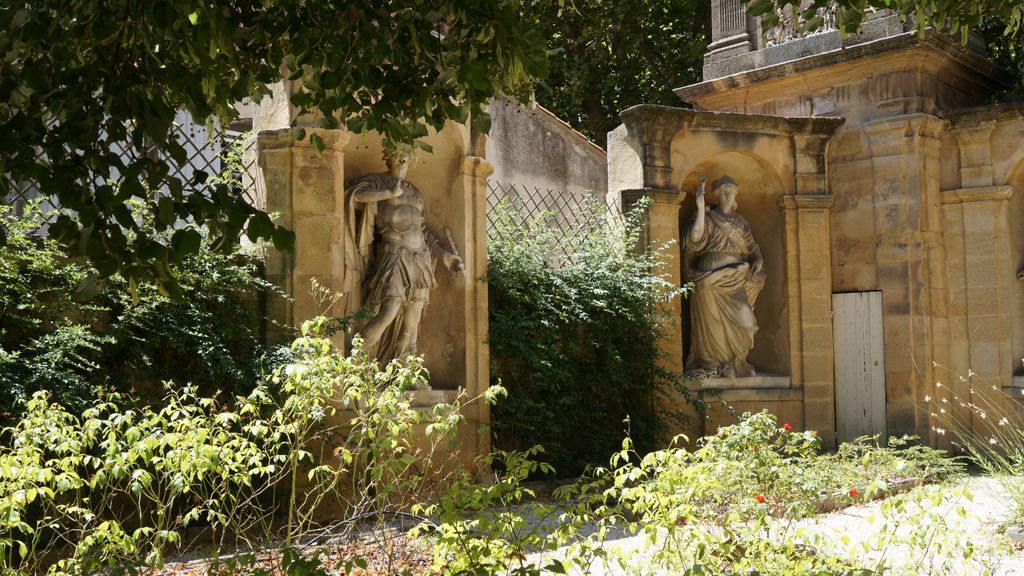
[(760, 190), (437, 175)]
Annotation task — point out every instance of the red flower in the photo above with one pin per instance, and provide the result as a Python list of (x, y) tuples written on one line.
[(853, 493), (787, 427), (759, 498)]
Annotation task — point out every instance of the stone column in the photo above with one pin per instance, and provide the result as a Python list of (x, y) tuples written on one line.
[(306, 191), (910, 261)]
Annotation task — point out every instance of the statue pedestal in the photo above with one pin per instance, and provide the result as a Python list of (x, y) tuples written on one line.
[(751, 394)]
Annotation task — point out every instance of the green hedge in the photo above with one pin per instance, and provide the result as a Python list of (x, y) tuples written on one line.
[(574, 341), (64, 330)]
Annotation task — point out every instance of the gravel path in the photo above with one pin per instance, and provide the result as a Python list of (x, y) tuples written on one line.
[(843, 531)]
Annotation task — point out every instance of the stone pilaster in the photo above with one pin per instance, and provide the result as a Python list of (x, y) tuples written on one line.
[(469, 192), (975, 143), (809, 289), (662, 232), (910, 260), (985, 279), (981, 278), (306, 191)]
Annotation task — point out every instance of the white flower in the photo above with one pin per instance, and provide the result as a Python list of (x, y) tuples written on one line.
[(940, 431), (944, 401), (938, 384), (942, 411), (927, 398), (992, 441), (982, 415), (1003, 421), (970, 373), (996, 388)]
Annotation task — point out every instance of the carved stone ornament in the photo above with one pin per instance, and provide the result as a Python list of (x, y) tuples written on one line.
[(722, 260), (787, 29)]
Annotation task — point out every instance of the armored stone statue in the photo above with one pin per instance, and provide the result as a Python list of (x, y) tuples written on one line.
[(390, 258), (724, 264)]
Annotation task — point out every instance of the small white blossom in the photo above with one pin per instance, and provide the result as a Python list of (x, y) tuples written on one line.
[(940, 431), (938, 384), (982, 415), (927, 398), (942, 411), (992, 441), (944, 401), (1003, 421)]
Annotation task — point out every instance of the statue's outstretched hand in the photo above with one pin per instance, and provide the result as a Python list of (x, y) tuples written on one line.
[(454, 262)]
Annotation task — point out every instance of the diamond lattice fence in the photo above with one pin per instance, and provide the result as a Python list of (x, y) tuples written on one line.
[(570, 215), (226, 155)]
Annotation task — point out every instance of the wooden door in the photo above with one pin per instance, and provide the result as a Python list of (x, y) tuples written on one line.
[(859, 362)]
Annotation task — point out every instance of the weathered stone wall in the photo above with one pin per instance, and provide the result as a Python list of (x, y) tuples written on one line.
[(536, 149)]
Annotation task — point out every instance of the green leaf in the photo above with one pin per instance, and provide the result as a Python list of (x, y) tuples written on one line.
[(259, 227), (317, 142), (284, 240), (185, 243), (165, 211)]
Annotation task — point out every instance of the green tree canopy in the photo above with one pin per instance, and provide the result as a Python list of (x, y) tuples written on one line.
[(608, 56), (81, 79)]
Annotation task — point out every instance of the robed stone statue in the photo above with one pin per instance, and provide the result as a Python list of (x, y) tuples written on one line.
[(724, 264), (389, 258)]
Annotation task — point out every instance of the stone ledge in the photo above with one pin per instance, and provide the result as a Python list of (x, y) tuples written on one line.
[(756, 382), (431, 397), (757, 395)]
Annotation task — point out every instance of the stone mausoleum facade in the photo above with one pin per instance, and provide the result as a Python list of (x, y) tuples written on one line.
[(886, 194)]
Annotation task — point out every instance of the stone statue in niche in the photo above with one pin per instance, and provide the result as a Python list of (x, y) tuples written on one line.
[(722, 260), (389, 258)]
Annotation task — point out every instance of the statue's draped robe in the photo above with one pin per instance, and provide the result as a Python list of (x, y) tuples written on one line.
[(721, 306)]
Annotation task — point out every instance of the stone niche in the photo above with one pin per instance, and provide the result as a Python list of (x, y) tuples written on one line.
[(307, 193), (779, 165)]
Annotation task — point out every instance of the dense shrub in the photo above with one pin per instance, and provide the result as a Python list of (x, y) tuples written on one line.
[(574, 341), (64, 330)]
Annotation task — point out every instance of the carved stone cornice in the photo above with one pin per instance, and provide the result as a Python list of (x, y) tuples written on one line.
[(282, 138), (657, 196)]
